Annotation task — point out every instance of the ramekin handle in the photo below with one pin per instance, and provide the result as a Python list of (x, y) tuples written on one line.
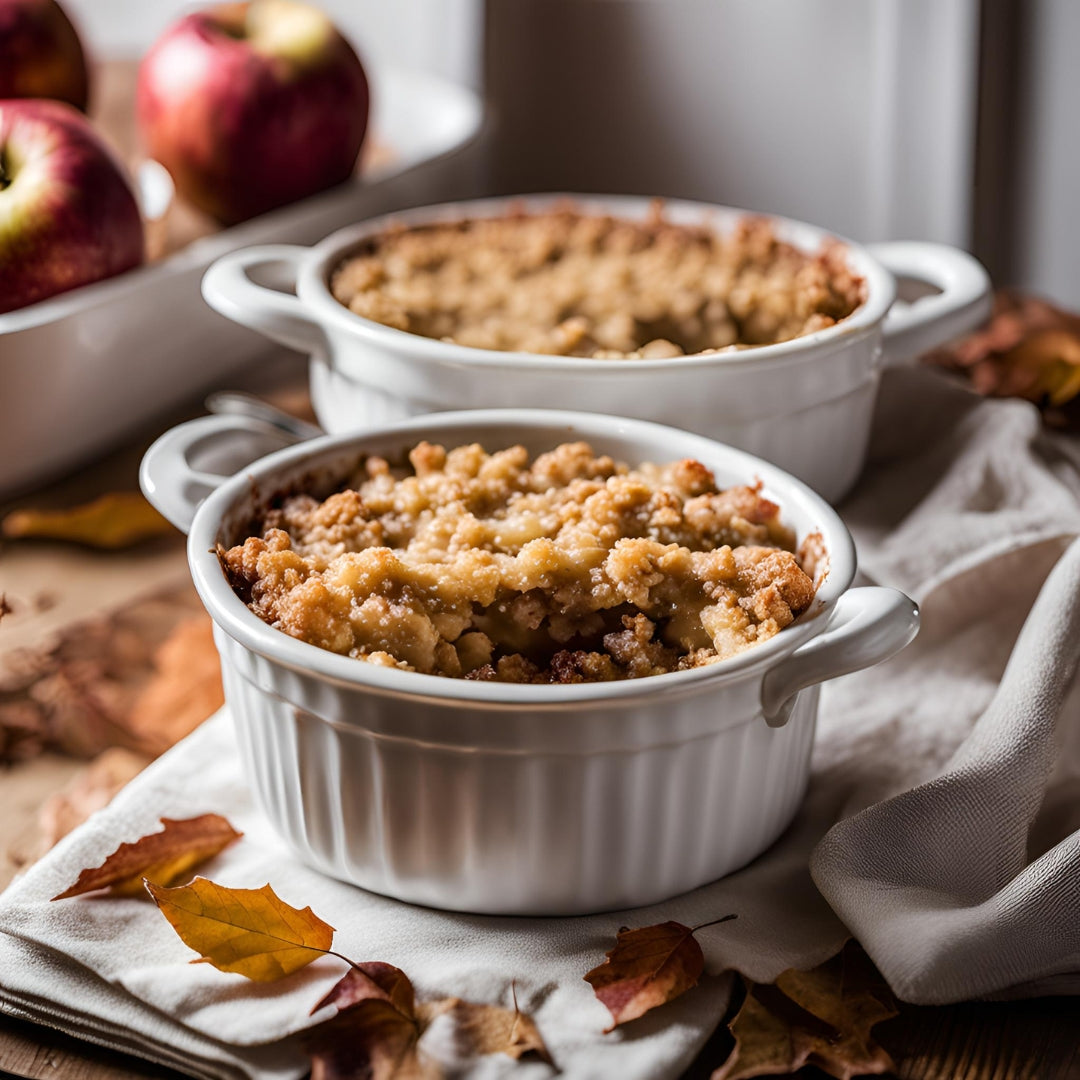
[(228, 288), (189, 461), (931, 321), (868, 626)]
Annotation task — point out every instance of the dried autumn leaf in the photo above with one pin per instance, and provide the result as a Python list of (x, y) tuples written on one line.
[(765, 1045), (490, 1029), (821, 1017), (375, 1032), (76, 692), (1052, 359), (648, 967), (1030, 349), (90, 790), (161, 857), (248, 931), (116, 520), (184, 691)]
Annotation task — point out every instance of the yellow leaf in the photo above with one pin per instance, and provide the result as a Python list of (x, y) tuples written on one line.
[(162, 857), (116, 520), (1055, 357), (248, 931)]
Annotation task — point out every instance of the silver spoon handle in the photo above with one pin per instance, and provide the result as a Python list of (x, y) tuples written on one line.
[(237, 403)]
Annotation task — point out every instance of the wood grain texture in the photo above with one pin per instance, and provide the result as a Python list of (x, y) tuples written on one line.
[(1026, 1040), (27, 1050), (1022, 1040)]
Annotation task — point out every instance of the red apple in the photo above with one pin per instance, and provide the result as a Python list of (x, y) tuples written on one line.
[(67, 213), (253, 105), (40, 53)]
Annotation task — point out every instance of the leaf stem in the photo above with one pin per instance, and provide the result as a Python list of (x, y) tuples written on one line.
[(352, 963), (714, 922)]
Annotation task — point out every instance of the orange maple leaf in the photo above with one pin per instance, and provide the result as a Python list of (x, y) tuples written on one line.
[(162, 857)]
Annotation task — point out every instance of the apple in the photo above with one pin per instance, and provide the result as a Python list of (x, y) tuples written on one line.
[(67, 213), (40, 53), (252, 105)]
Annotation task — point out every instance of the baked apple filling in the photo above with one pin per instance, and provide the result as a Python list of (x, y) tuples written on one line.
[(567, 567)]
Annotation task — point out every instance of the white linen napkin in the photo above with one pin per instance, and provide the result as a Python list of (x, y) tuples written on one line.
[(956, 860)]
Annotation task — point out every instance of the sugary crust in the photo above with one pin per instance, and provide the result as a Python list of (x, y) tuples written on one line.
[(566, 568), (563, 283)]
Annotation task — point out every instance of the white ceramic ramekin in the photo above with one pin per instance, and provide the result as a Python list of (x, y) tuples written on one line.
[(499, 798), (805, 405)]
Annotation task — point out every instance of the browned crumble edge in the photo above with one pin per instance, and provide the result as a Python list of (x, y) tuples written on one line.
[(567, 568), (568, 284)]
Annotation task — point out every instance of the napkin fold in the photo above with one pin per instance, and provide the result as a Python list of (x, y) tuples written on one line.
[(940, 826)]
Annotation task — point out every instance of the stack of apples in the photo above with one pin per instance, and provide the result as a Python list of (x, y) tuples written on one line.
[(249, 106)]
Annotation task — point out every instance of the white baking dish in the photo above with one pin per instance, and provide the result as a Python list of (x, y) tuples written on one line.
[(80, 371), (501, 798), (805, 405)]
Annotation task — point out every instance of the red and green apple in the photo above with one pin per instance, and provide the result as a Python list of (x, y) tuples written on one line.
[(40, 53), (253, 105), (67, 212)]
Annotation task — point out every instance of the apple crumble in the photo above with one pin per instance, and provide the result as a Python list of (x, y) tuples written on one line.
[(568, 284), (569, 567)]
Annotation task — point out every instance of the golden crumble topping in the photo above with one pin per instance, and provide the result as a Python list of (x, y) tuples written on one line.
[(566, 284), (566, 568)]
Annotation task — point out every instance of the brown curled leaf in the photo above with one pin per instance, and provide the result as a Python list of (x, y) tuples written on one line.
[(116, 520), (184, 691), (490, 1029), (252, 932), (161, 857), (822, 1018), (88, 791), (376, 1033), (1029, 349), (648, 967)]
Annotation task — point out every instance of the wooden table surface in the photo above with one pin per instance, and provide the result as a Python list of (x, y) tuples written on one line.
[(1029, 1040)]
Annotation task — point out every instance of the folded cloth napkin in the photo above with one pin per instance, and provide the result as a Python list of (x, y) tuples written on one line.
[(940, 825)]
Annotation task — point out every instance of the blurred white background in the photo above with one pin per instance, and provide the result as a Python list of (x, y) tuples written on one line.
[(952, 120), (441, 36)]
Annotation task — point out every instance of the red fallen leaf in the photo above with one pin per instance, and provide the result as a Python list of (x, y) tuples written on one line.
[(373, 981), (821, 1018), (648, 967), (162, 857), (374, 1034)]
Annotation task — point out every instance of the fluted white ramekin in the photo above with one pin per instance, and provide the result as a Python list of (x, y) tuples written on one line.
[(805, 405), (511, 799)]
